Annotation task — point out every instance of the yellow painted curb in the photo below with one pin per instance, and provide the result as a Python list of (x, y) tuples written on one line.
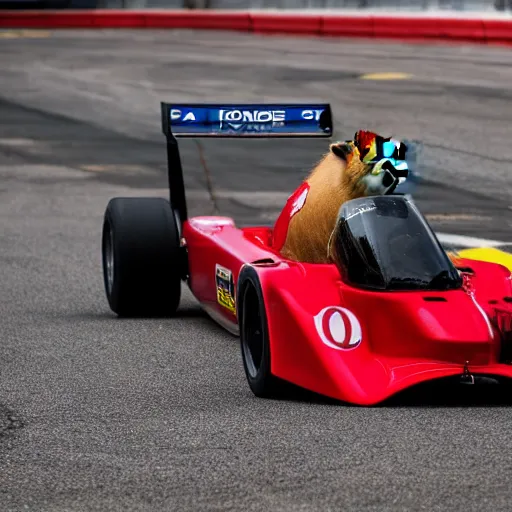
[(386, 76), (489, 254), (18, 34)]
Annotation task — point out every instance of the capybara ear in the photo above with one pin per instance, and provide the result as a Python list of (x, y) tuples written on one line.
[(342, 150)]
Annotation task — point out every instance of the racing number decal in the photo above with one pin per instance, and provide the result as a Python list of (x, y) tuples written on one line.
[(338, 328), (225, 288)]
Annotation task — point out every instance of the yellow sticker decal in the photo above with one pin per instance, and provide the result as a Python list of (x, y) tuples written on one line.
[(225, 288)]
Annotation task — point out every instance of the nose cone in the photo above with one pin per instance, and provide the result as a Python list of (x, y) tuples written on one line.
[(460, 321), (451, 327), (448, 326)]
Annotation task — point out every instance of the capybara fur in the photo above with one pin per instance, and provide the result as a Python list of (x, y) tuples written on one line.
[(341, 175), (337, 178)]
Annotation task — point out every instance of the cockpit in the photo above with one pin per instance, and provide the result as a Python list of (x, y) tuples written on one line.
[(385, 243)]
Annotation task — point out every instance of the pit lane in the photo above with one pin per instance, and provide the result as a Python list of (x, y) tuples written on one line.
[(156, 415)]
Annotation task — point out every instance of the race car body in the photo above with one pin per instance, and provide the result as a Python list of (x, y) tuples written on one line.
[(392, 311), (347, 342)]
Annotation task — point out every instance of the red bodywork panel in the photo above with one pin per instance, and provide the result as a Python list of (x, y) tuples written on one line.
[(351, 344)]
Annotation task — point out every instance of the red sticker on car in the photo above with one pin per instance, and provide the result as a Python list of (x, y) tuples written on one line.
[(294, 204), (338, 328)]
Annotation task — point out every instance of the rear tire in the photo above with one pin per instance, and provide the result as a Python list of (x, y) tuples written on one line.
[(141, 257), (254, 337)]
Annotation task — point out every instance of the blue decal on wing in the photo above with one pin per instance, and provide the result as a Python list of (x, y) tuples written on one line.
[(250, 120)]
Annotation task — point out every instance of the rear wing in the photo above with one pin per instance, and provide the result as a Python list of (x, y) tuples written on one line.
[(244, 120), (234, 121)]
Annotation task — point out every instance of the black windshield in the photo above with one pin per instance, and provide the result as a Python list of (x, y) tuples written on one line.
[(384, 242)]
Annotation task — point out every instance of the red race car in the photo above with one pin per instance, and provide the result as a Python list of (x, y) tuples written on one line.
[(391, 312)]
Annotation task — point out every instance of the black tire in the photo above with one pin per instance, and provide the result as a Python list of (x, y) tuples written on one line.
[(254, 338), (141, 257)]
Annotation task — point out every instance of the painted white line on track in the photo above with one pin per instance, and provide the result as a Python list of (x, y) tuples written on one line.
[(469, 241)]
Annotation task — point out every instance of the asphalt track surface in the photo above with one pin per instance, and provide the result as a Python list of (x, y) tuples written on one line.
[(102, 414)]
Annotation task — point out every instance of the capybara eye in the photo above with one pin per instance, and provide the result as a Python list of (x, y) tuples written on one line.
[(341, 150)]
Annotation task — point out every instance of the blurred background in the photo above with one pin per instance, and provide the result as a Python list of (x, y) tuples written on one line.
[(404, 5)]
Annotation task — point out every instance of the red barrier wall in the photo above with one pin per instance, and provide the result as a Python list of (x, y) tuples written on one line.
[(483, 31)]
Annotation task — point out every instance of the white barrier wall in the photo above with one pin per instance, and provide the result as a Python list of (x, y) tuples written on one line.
[(402, 5)]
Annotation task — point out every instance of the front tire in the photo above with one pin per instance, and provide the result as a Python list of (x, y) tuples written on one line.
[(254, 337), (141, 257)]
